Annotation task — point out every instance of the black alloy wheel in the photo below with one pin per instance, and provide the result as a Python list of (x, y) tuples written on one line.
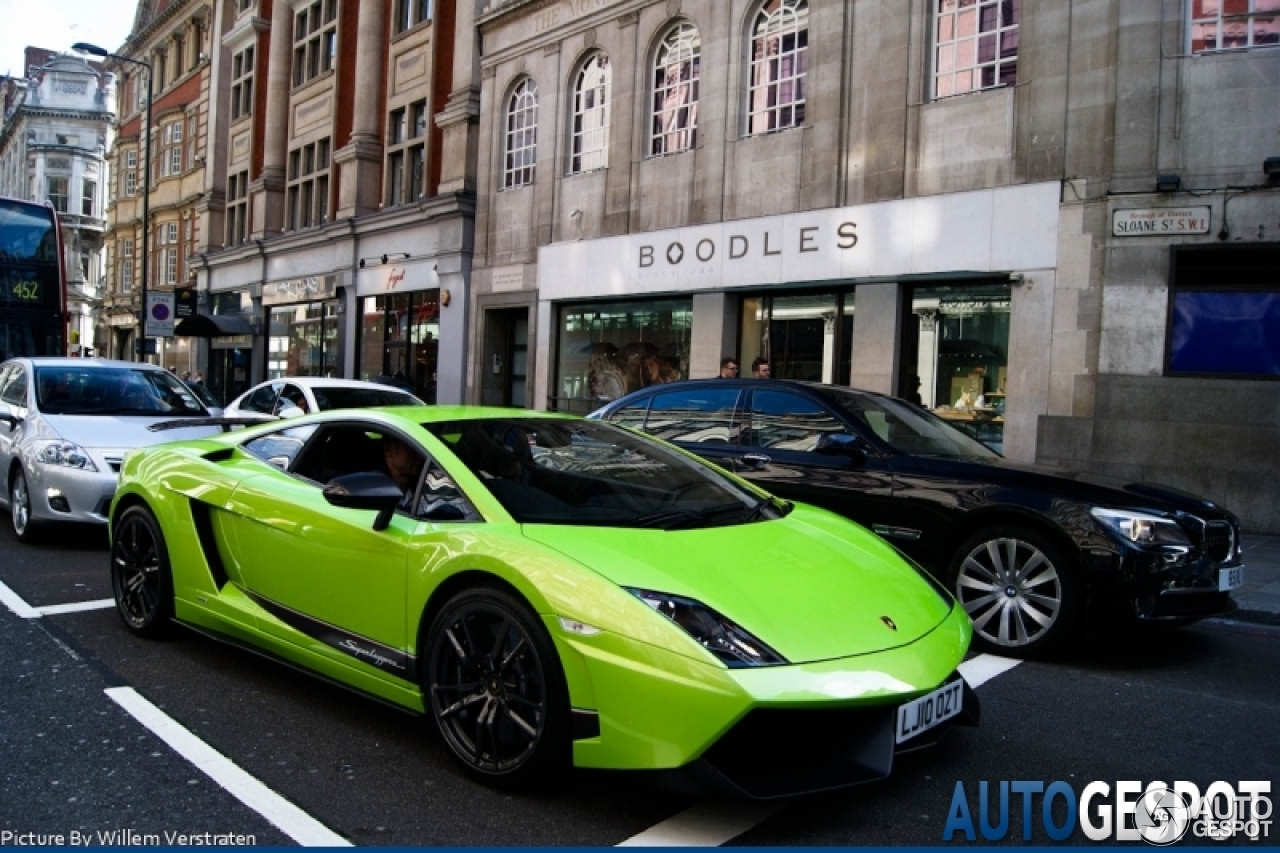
[(140, 575), (20, 508), (496, 690), (1019, 590)]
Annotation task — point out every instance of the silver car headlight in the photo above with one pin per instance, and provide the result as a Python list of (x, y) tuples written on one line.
[(733, 645), (1141, 528), (64, 453)]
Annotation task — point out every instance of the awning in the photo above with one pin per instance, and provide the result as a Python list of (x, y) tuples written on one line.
[(213, 326)]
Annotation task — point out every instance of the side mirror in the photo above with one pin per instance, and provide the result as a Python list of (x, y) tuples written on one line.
[(373, 490), (842, 444), (7, 415)]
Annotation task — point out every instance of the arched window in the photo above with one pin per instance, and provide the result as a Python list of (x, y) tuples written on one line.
[(522, 135), (779, 66), (676, 69), (976, 43), (591, 116)]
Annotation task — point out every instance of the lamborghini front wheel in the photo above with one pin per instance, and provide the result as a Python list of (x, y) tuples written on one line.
[(496, 690)]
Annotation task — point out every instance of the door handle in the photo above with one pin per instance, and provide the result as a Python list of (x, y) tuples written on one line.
[(759, 460)]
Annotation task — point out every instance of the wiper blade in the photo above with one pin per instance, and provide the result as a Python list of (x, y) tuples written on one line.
[(779, 506), (675, 518)]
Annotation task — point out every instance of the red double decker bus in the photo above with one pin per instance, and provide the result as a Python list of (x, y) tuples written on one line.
[(33, 283)]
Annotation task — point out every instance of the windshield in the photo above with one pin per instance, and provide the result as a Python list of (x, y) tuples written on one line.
[(27, 233), (908, 429), (361, 398), (71, 390), (594, 474), (203, 394)]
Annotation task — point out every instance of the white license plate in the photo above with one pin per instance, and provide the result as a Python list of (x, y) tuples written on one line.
[(920, 715), (1229, 579)]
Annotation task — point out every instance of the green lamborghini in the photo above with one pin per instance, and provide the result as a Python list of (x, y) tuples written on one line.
[(550, 591)]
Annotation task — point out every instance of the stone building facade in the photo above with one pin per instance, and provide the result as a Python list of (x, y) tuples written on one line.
[(53, 142), (338, 200), (1052, 222), (172, 37)]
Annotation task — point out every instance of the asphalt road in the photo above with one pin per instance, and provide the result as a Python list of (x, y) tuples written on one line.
[(1201, 704)]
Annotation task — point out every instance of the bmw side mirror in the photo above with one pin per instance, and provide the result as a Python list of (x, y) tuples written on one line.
[(372, 491), (7, 415), (842, 444)]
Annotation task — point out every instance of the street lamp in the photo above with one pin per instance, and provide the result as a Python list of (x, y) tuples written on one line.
[(94, 50)]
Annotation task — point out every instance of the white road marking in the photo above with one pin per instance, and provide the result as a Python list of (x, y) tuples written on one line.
[(983, 668), (76, 607), (284, 815), (14, 602), (714, 823), (708, 824)]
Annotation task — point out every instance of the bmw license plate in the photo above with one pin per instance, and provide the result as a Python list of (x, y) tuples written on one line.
[(1229, 579), (920, 715)]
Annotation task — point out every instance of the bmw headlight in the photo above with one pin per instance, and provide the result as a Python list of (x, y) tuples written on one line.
[(1140, 528), (734, 646), (66, 454)]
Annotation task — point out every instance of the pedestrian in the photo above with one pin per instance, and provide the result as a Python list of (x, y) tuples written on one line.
[(760, 368), (728, 367)]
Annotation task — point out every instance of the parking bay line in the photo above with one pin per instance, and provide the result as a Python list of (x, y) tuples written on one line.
[(14, 602), (284, 815), (714, 823), (76, 607)]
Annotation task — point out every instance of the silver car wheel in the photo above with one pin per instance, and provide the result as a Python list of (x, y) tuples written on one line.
[(1011, 591), (20, 504)]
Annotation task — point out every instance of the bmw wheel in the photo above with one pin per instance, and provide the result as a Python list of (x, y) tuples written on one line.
[(140, 575), (1018, 589), (24, 527), (496, 690)]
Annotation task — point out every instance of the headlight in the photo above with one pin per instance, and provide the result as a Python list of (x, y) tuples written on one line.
[(734, 646), (1140, 528), (64, 453)]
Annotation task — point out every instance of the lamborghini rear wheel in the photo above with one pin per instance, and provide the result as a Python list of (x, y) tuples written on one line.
[(140, 574), (496, 690)]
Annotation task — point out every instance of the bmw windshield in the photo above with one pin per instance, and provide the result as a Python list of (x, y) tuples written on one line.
[(909, 429), (71, 390), (589, 473)]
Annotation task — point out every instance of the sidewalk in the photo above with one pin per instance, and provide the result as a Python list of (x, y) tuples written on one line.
[(1261, 591)]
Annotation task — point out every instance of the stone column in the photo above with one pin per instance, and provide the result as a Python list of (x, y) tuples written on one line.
[(459, 120), (267, 191), (360, 161)]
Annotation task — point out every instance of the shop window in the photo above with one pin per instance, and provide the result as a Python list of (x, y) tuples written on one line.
[(303, 340), (1233, 24), (806, 337), (779, 66), (521, 135), (1224, 313), (400, 339), (676, 73), (610, 349), (975, 45), (960, 335), (590, 136)]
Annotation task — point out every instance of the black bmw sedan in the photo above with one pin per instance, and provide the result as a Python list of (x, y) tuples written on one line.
[(1027, 550)]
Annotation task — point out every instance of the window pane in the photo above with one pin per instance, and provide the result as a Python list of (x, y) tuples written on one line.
[(1225, 332)]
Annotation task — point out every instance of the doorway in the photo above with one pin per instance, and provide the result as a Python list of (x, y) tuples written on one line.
[(505, 366)]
